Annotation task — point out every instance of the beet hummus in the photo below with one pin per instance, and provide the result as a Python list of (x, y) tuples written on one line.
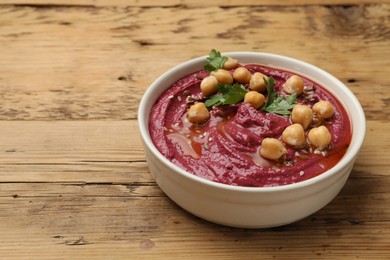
[(227, 147)]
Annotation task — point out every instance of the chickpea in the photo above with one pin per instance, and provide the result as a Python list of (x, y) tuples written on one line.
[(294, 84), (319, 137), (254, 98), (223, 76), (230, 63), (198, 113), (294, 135), (257, 82), (324, 109), (302, 114), (317, 120), (242, 75), (272, 149), (208, 85)]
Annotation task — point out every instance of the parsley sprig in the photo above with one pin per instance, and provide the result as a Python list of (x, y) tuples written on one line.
[(278, 104), (228, 95), (232, 94), (215, 61)]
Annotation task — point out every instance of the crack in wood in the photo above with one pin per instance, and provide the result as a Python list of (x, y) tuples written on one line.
[(75, 163), (77, 242), (138, 184), (50, 6), (91, 6)]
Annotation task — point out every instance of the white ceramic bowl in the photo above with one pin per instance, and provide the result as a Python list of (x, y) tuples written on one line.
[(251, 207)]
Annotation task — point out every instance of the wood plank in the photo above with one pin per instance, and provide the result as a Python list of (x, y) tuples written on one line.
[(49, 142), (95, 63), (111, 221), (79, 172), (111, 151)]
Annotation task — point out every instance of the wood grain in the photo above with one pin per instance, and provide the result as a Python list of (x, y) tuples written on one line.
[(74, 182), (81, 219), (75, 63), (84, 202), (78, 151), (187, 3)]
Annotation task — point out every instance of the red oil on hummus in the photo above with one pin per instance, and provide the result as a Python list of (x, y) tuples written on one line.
[(226, 148)]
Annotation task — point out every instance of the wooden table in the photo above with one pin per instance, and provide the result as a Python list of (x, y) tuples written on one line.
[(73, 178)]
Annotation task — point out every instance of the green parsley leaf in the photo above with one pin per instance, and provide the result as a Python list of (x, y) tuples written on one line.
[(215, 61), (292, 98), (233, 93), (278, 104), (214, 100), (272, 94), (229, 94)]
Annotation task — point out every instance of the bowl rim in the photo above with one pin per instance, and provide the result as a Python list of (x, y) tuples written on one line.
[(358, 115)]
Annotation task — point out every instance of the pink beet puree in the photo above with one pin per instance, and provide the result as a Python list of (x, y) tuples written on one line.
[(226, 148)]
